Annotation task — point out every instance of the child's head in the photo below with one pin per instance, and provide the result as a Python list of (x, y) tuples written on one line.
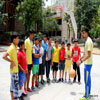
[(31, 34), (40, 42), (21, 44), (36, 41), (63, 44), (49, 40), (15, 38), (45, 38), (68, 46), (75, 42), (56, 42)]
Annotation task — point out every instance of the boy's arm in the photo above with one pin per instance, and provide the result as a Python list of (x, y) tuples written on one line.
[(5, 57), (20, 67), (36, 55)]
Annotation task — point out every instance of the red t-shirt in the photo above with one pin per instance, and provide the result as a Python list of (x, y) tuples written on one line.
[(76, 53), (21, 57), (62, 54)]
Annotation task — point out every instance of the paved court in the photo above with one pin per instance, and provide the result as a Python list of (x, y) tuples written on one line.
[(53, 91)]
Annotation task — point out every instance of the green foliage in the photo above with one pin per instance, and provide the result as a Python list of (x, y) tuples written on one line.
[(95, 31), (29, 12), (85, 11), (49, 23), (2, 16)]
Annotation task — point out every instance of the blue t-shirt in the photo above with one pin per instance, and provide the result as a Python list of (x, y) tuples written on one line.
[(36, 60), (45, 47)]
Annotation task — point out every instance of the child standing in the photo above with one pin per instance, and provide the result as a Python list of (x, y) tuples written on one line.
[(62, 61), (35, 68), (76, 55), (22, 68), (68, 55), (41, 70), (55, 59), (12, 59)]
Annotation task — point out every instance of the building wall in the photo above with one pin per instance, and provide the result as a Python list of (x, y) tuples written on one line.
[(69, 4)]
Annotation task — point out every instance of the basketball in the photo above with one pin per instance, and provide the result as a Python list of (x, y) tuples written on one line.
[(72, 73)]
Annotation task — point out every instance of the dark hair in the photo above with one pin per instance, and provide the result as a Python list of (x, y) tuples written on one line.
[(56, 41), (68, 43), (14, 35), (75, 40), (31, 32), (40, 40), (21, 42), (62, 42), (85, 29), (36, 38), (44, 36)]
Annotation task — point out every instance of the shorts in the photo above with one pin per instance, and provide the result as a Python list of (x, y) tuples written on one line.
[(67, 65), (55, 66), (43, 66), (41, 69), (22, 78), (14, 86), (29, 67), (35, 69), (62, 65)]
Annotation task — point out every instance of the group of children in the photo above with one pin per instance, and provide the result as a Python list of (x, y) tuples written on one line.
[(36, 57)]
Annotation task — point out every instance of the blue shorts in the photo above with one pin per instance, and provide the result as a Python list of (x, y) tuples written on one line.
[(22, 78), (62, 65), (14, 87)]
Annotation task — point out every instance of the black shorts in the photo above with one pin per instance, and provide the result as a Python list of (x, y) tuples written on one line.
[(29, 67), (41, 69), (55, 66), (43, 66)]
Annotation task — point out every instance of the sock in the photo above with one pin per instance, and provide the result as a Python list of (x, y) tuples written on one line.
[(32, 84)]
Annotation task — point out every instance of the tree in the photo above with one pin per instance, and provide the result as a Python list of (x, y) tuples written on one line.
[(49, 23), (2, 16), (95, 31), (85, 11), (29, 12)]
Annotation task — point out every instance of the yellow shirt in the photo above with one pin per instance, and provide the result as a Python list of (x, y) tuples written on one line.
[(28, 46), (68, 53), (56, 52), (88, 47), (12, 51)]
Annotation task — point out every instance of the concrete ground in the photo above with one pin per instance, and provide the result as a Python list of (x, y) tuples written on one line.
[(54, 91)]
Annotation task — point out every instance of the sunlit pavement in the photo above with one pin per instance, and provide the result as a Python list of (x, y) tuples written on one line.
[(53, 91)]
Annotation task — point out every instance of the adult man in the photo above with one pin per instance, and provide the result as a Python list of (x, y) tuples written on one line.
[(87, 59)]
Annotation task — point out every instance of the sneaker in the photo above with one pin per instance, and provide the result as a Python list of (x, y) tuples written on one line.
[(89, 95), (48, 80), (37, 85), (55, 80), (42, 82), (21, 98), (62, 79), (74, 81), (24, 93), (59, 80), (84, 98), (29, 90), (32, 88), (65, 81)]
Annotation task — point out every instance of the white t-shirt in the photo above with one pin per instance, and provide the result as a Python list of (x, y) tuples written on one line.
[(41, 52)]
